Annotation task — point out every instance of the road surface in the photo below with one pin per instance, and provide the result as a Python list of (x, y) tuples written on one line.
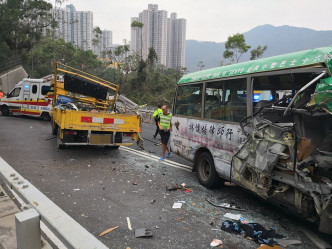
[(100, 188)]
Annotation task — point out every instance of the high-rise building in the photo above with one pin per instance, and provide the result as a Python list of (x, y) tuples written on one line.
[(104, 44), (75, 26), (176, 31), (166, 35)]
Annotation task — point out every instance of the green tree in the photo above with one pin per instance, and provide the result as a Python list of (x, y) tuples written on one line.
[(97, 39), (235, 47), (257, 52), (200, 65), (139, 25), (22, 22)]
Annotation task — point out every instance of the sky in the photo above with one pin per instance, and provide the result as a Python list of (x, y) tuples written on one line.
[(211, 20)]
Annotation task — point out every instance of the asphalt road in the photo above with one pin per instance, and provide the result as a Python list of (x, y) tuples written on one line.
[(100, 187)]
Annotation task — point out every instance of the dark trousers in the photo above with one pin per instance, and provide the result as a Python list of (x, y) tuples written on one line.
[(157, 130)]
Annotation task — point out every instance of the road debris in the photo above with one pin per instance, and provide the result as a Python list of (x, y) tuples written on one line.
[(215, 242), (181, 218), (288, 242), (76, 189), (153, 201), (268, 247), (176, 187), (224, 205), (143, 232), (236, 217), (232, 216), (129, 224), (177, 205), (108, 231), (252, 231)]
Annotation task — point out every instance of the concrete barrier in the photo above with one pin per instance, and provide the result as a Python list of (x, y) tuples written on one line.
[(147, 116), (11, 77)]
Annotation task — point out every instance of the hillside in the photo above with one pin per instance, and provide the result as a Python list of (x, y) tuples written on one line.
[(280, 40)]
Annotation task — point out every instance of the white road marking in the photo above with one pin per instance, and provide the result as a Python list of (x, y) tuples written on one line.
[(156, 159)]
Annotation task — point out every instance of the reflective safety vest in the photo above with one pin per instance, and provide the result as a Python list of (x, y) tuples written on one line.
[(157, 113), (165, 121)]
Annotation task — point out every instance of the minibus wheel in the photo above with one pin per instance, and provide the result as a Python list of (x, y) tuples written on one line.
[(206, 171)]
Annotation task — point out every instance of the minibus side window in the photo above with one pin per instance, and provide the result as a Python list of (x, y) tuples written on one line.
[(226, 100), (189, 100)]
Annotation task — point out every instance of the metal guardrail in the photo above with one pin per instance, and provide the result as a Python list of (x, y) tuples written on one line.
[(68, 231)]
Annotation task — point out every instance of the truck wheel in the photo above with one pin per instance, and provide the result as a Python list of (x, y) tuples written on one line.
[(111, 147), (54, 128), (59, 143), (5, 110), (46, 116), (206, 171)]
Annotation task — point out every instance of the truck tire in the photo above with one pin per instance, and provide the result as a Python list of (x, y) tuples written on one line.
[(5, 110), (111, 147), (206, 171), (59, 143), (54, 128)]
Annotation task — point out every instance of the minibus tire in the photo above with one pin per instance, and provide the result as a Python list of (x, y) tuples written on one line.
[(58, 140), (46, 116), (206, 171), (5, 110)]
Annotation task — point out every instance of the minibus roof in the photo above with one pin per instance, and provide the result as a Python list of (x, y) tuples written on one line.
[(307, 58)]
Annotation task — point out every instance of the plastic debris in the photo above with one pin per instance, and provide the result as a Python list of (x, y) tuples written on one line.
[(177, 205), (232, 216), (143, 232), (108, 230), (252, 231), (129, 224), (243, 220), (224, 205), (216, 242), (76, 189), (288, 242)]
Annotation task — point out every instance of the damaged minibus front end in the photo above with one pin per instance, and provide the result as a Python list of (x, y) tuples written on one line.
[(288, 160)]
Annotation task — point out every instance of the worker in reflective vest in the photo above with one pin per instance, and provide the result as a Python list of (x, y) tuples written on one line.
[(156, 116), (165, 131)]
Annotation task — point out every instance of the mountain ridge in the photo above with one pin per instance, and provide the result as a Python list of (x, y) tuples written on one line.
[(279, 39)]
